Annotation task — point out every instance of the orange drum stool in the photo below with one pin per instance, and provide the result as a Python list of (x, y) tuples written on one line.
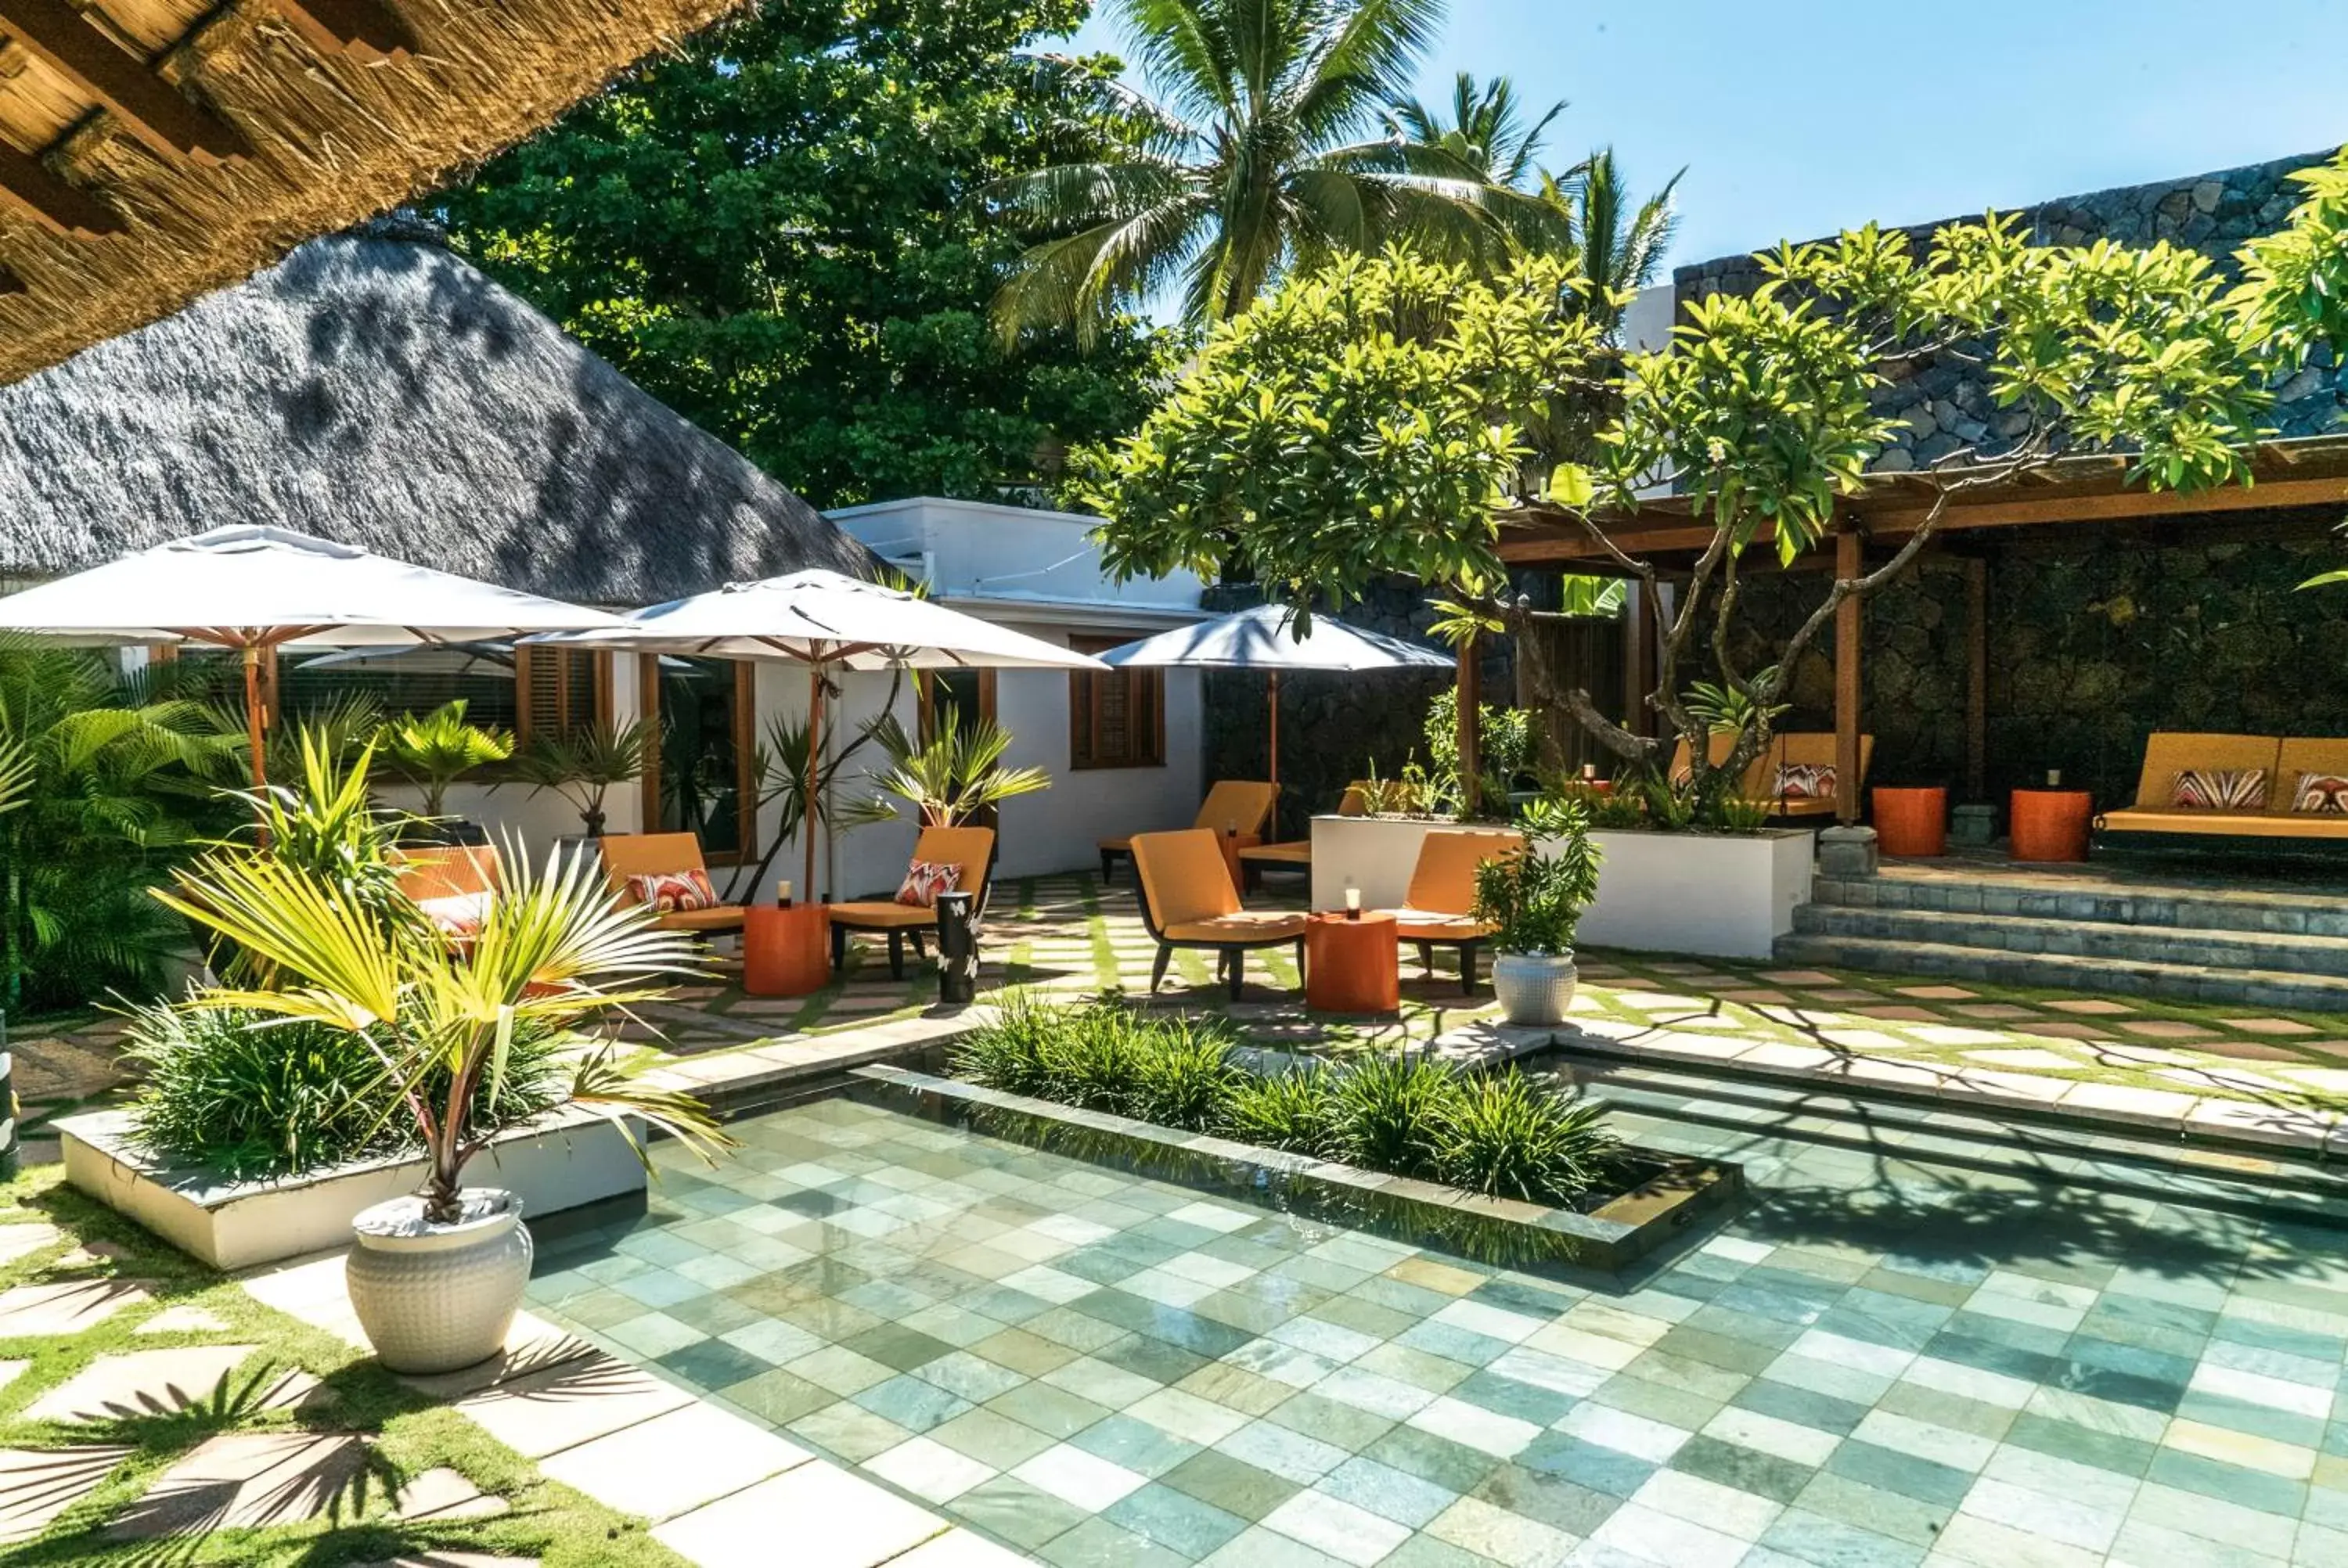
[(1353, 966), (783, 950), (2051, 824)]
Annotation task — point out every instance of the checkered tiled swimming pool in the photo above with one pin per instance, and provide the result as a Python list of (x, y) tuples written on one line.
[(1885, 1363)]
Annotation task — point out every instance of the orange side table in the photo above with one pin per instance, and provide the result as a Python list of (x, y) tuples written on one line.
[(1912, 824), (1353, 966), (1232, 844), (784, 951), (2051, 824)]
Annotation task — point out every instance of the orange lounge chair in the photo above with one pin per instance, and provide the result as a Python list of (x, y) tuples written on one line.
[(1297, 854), (627, 855), (970, 848), (1763, 778), (1438, 908), (451, 884), (1188, 901), (1237, 804)]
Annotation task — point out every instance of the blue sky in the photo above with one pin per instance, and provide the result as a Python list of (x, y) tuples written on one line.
[(1799, 118)]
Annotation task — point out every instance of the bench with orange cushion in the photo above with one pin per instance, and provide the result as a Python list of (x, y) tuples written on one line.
[(627, 855), (1297, 854), (2284, 760), (1240, 805), (1763, 776), (970, 850), (451, 884), (1188, 901), (1438, 911)]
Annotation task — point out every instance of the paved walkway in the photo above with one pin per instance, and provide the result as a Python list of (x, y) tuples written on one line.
[(1886, 1362)]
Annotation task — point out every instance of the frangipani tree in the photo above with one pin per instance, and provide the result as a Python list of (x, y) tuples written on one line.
[(1375, 419)]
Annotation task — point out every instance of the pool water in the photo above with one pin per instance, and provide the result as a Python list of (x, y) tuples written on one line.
[(1886, 1362)]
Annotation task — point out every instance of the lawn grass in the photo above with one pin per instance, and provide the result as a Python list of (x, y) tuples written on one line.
[(548, 1522)]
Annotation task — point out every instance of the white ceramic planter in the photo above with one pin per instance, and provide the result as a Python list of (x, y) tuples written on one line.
[(435, 1297), (562, 1161), (1375, 854), (1708, 895), (1534, 989)]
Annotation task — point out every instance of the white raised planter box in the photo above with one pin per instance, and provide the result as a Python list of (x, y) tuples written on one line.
[(568, 1158), (1710, 895), (1375, 854)]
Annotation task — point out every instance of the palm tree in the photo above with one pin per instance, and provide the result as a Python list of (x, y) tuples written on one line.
[(1247, 164), (1487, 132), (1621, 248)]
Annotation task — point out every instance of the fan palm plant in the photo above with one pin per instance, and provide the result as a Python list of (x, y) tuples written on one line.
[(957, 774), (437, 749), (1252, 161), (553, 952), (584, 766)]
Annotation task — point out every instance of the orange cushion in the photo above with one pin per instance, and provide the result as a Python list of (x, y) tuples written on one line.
[(883, 914), (720, 917), (1246, 926)]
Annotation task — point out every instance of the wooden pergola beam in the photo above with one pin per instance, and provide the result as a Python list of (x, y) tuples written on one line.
[(1849, 633), (29, 190), (151, 109), (362, 29)]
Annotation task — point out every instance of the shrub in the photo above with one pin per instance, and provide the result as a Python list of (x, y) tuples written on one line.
[(1288, 1111), (1381, 1109), (1504, 1134), (251, 1097)]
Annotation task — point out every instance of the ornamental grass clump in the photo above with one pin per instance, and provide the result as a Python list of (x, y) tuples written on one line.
[(1504, 1134)]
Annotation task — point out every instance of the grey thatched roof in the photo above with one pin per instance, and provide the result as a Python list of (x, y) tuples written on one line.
[(383, 392)]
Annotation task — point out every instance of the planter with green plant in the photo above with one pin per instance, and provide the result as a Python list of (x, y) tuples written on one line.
[(436, 1276), (434, 751), (1533, 901), (585, 765)]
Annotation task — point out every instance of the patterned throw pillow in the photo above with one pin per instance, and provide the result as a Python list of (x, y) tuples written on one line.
[(2325, 794), (1806, 781), (2220, 789), (674, 892), (924, 881)]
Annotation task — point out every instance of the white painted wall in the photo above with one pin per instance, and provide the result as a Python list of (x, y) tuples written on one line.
[(973, 549)]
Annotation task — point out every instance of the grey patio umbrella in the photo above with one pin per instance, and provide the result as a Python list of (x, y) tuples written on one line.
[(1265, 639)]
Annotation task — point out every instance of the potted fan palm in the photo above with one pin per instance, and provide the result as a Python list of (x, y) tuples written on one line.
[(1533, 900), (957, 774), (436, 1277), (584, 766), (435, 750)]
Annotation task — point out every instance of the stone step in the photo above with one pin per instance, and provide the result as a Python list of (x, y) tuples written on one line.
[(2262, 910), (2064, 938), (2119, 976), (2209, 1174)]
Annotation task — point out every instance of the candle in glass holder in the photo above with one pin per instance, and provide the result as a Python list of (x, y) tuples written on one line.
[(1353, 902), (2054, 778), (783, 893)]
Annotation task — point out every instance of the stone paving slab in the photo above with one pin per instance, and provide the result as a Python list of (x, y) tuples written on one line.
[(445, 1493), (250, 1479), (38, 1484), (830, 1517), (22, 1240), (136, 1383), (676, 1463), (569, 1404), (65, 1307)]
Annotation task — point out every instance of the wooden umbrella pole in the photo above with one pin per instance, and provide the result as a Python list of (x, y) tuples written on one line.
[(253, 740), (1273, 702), (815, 775)]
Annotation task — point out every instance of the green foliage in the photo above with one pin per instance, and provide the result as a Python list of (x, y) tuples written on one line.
[(583, 765), (328, 824), (1503, 1135), (780, 227), (2293, 297), (1355, 423), (1733, 708), (1505, 737), (437, 749), (1411, 1116), (113, 789), (250, 1097), (957, 773), (1534, 900)]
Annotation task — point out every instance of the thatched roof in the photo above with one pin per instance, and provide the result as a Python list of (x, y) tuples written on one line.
[(384, 393), (153, 149)]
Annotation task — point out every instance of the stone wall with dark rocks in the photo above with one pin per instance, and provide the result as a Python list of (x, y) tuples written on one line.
[(2097, 638), (1333, 727), (1944, 403)]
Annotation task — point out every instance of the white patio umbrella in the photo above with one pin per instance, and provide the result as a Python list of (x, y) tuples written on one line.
[(1265, 639), (258, 589), (825, 621)]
